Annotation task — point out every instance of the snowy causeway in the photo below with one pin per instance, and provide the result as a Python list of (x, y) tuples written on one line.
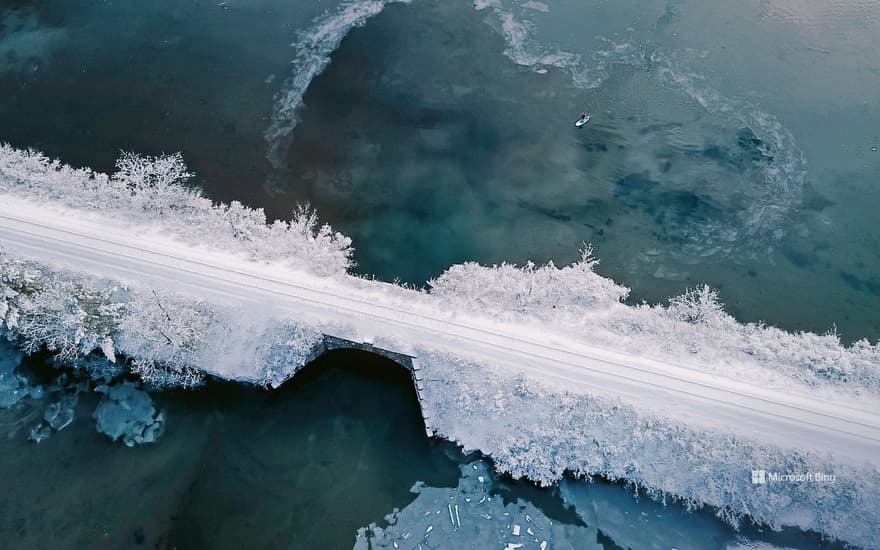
[(390, 318), (542, 368)]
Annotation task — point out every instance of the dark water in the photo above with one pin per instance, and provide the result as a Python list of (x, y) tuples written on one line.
[(303, 466)]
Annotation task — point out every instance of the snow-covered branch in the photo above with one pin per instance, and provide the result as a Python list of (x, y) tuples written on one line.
[(168, 339), (541, 433), (693, 329), (144, 188)]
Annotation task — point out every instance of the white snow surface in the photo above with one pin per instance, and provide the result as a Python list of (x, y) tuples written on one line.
[(541, 367)]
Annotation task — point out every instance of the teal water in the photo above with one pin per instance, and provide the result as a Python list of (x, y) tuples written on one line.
[(734, 145), (454, 156)]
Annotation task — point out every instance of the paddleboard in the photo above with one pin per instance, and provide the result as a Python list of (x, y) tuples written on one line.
[(581, 122)]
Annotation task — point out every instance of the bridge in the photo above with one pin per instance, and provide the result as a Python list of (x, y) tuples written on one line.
[(383, 319)]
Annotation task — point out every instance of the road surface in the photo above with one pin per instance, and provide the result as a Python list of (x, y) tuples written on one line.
[(848, 428)]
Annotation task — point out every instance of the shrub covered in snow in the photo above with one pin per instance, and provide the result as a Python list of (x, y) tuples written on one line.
[(530, 289), (693, 329), (166, 335), (67, 316), (146, 188), (168, 339), (534, 431)]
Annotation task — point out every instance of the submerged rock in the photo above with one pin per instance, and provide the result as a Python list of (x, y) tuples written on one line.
[(13, 386), (98, 368), (126, 412)]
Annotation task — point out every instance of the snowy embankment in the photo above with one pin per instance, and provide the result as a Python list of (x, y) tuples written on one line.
[(541, 367), (540, 432)]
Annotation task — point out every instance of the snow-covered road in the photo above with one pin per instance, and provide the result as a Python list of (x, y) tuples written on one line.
[(845, 425)]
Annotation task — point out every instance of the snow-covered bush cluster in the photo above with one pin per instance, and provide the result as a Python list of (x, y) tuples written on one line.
[(165, 335), (166, 338), (528, 290), (145, 189), (67, 316), (538, 432), (693, 329)]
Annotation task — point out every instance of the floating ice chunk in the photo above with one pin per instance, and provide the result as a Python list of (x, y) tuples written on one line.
[(470, 523), (11, 393), (59, 414), (39, 433), (128, 413), (537, 6)]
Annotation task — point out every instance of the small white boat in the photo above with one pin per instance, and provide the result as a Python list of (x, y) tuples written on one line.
[(581, 122)]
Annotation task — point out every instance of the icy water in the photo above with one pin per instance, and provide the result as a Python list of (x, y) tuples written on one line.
[(731, 143), (311, 465), (301, 467)]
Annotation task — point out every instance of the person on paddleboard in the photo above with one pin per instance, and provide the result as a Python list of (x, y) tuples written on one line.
[(579, 123)]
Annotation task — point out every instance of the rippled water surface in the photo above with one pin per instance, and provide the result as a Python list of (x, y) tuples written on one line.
[(734, 145), (730, 143)]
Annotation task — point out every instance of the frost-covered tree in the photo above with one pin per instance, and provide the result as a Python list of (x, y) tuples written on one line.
[(67, 317), (155, 183), (145, 188), (70, 319), (697, 306), (528, 289), (165, 336)]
